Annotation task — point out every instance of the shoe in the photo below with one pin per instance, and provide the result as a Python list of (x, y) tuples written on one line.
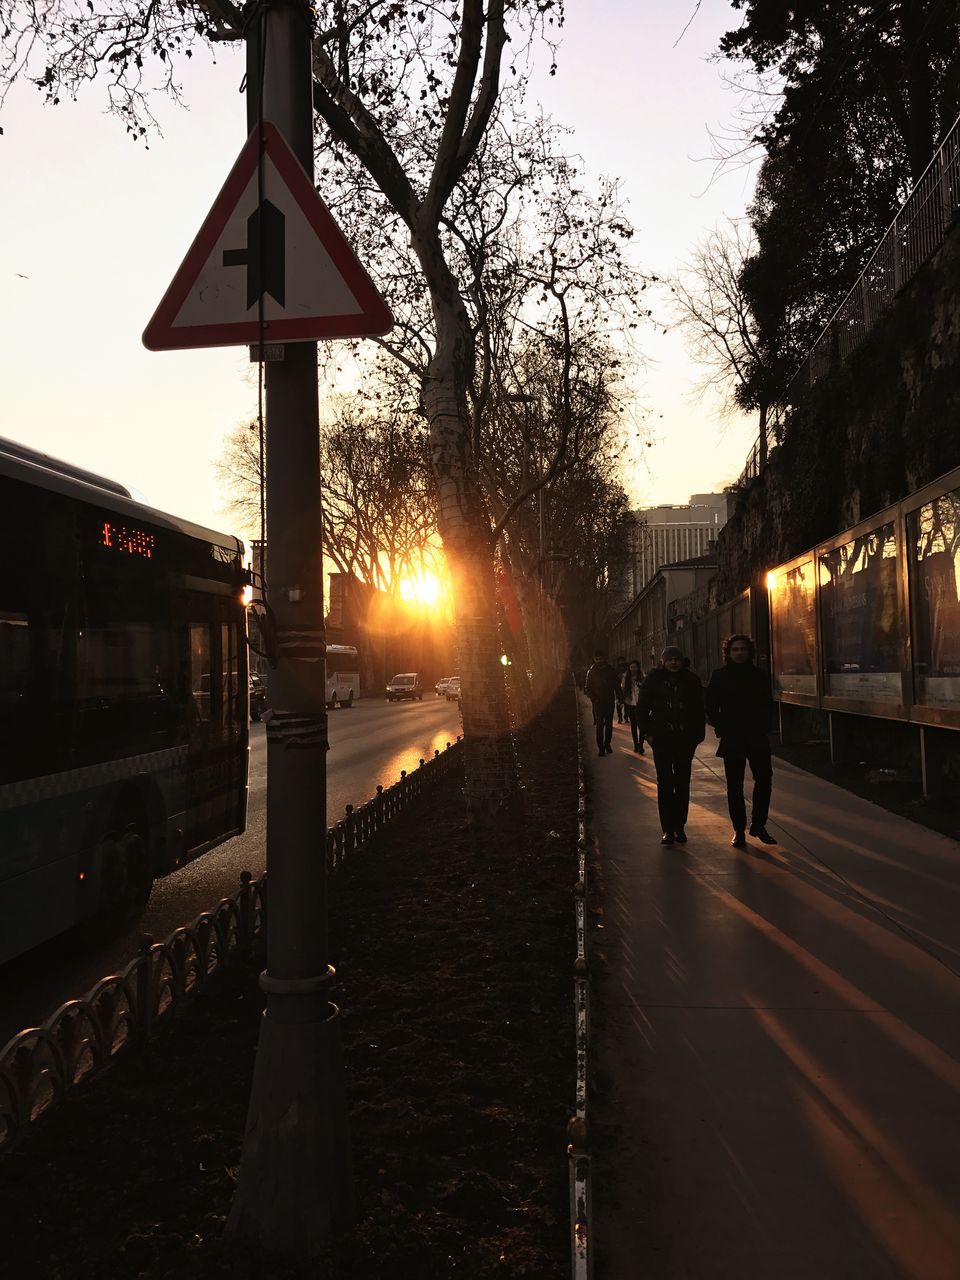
[(638, 750), (667, 838), (681, 836), (739, 840), (601, 752), (609, 751), (762, 834)]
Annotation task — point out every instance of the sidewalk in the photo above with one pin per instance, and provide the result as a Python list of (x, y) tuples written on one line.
[(776, 1035)]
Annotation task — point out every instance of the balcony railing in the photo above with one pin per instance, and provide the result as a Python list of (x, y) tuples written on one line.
[(915, 234)]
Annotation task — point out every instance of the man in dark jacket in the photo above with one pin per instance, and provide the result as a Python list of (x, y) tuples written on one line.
[(601, 688), (739, 706), (670, 712)]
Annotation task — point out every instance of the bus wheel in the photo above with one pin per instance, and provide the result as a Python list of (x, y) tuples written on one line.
[(125, 882), (350, 698), (333, 703)]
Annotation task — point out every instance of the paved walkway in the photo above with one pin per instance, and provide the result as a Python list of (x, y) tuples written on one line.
[(776, 1035)]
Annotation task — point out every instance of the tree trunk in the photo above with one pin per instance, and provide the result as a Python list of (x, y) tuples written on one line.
[(514, 625), (492, 789)]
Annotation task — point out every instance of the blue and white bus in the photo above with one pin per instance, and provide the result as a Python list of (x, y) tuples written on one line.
[(123, 697)]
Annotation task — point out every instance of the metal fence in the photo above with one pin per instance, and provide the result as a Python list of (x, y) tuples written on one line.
[(40, 1066), (912, 238)]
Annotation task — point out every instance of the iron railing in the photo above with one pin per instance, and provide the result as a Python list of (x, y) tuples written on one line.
[(916, 232), (40, 1065)]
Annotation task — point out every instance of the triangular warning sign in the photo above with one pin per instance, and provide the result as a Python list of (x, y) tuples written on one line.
[(268, 241)]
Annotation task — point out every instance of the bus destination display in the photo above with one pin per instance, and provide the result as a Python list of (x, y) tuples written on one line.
[(127, 539)]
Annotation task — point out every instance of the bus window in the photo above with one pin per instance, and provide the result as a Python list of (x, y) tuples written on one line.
[(200, 672), (123, 682), (230, 681), (14, 658)]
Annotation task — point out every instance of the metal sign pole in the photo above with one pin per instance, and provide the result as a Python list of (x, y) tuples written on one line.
[(295, 1187)]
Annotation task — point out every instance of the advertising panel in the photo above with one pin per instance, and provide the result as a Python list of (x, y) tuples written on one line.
[(933, 534), (860, 618), (793, 629)]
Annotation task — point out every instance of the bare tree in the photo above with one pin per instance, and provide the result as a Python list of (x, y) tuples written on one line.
[(379, 516), (407, 96), (721, 331)]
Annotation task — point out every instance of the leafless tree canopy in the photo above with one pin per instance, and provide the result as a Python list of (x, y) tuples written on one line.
[(715, 317), (379, 518)]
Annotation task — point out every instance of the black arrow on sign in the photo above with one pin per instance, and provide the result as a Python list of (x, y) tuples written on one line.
[(265, 250)]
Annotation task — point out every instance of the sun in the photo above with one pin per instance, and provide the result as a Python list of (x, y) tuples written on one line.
[(423, 588)]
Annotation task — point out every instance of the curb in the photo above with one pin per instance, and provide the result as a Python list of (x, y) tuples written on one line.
[(578, 1152)]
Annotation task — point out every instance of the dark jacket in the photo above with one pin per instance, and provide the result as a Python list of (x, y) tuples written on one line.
[(601, 684), (672, 706), (739, 705)]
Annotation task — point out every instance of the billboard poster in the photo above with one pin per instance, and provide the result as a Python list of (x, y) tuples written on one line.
[(793, 628), (860, 618), (934, 544)]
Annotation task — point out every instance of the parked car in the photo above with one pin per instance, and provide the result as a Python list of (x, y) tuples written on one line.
[(441, 685), (258, 696), (407, 685), (452, 691)]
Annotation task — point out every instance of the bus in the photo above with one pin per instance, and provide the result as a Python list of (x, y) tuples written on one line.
[(123, 698), (343, 675)]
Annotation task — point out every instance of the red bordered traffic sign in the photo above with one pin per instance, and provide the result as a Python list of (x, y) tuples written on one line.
[(271, 243)]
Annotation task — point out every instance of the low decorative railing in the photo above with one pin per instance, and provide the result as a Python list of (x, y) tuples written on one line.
[(915, 234), (40, 1066)]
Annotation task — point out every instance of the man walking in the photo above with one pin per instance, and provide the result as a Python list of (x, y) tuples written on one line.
[(601, 688), (670, 710), (739, 706)]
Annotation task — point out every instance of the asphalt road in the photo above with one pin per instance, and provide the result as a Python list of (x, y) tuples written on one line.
[(369, 744)]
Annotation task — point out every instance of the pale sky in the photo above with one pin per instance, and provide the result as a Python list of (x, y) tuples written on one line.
[(93, 227)]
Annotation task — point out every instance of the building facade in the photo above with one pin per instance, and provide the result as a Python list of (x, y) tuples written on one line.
[(671, 534)]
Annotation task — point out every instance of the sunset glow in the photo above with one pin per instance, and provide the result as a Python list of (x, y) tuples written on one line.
[(424, 588)]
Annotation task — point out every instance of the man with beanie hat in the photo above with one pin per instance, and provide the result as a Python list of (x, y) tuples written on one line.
[(670, 711)]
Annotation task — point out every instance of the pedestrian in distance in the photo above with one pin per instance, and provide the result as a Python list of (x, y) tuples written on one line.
[(630, 697), (621, 670), (671, 714), (739, 706), (601, 687)]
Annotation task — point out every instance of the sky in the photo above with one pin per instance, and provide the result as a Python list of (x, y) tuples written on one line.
[(93, 227)]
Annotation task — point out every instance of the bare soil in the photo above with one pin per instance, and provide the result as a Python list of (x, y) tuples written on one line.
[(455, 964)]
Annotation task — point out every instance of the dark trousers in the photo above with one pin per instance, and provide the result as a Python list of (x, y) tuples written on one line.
[(633, 715), (673, 758), (761, 766), (620, 710), (603, 718)]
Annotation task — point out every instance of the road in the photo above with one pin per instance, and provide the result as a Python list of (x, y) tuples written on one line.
[(369, 744)]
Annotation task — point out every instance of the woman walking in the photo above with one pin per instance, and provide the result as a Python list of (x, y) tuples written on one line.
[(671, 713), (630, 696)]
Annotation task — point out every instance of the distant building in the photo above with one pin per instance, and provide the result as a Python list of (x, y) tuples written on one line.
[(656, 617), (668, 535)]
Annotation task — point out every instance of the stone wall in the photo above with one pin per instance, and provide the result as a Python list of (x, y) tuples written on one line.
[(878, 427)]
